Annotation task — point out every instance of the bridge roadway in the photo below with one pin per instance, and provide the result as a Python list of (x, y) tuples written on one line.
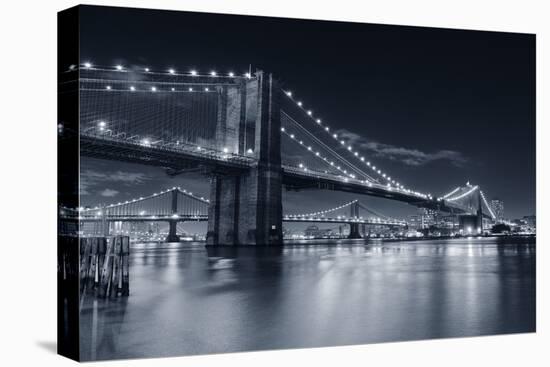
[(178, 158), (204, 218)]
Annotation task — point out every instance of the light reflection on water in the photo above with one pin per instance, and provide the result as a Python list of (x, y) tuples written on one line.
[(188, 299)]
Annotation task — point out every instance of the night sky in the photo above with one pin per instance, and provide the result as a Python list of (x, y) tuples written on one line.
[(433, 107)]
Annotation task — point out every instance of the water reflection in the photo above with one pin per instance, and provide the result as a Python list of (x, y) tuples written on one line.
[(188, 299)]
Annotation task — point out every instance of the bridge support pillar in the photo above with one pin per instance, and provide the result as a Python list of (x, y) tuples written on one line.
[(354, 231), (246, 208), (172, 232), (173, 225), (354, 227)]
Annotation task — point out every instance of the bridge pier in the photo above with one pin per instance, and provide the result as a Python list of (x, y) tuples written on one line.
[(354, 231), (172, 233), (354, 227), (246, 208)]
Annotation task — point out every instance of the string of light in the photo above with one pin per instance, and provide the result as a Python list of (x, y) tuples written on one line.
[(331, 151), (339, 168), (449, 193), (143, 198), (321, 212), (471, 190), (169, 71), (335, 136)]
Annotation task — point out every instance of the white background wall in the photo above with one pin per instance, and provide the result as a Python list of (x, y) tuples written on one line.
[(28, 161)]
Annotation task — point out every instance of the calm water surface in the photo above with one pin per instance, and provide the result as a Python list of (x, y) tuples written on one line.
[(188, 299)]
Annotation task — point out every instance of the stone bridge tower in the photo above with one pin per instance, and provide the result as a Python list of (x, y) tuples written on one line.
[(246, 206)]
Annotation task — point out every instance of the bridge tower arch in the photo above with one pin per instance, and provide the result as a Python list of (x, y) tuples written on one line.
[(246, 207)]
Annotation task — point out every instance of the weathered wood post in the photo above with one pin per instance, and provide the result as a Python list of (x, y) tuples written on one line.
[(107, 269), (125, 291), (92, 268), (85, 246)]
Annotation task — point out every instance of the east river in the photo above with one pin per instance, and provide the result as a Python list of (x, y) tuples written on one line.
[(188, 299)]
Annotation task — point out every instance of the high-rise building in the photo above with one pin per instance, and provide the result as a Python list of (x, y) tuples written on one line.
[(497, 206)]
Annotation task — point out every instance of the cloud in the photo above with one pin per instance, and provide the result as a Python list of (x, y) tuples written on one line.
[(90, 178), (109, 193), (411, 157)]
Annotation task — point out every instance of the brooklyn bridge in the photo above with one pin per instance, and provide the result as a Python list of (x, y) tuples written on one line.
[(249, 135)]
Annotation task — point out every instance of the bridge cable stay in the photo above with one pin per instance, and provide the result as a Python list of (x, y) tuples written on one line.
[(487, 205), (450, 193), (372, 211), (151, 109), (327, 161), (326, 128), (470, 191)]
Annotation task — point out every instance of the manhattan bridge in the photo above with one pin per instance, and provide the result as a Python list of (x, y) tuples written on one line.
[(245, 132)]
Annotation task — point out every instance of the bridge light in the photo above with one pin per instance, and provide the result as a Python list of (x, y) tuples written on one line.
[(146, 142), (231, 74), (289, 93), (190, 89), (318, 121), (250, 151), (102, 124), (132, 88), (301, 165), (362, 159), (309, 112), (206, 89), (108, 87), (171, 71), (299, 103), (225, 150), (282, 129), (326, 128), (194, 72), (173, 89), (356, 154), (213, 73), (343, 142), (368, 163), (119, 67), (146, 70), (335, 136), (153, 89), (349, 148), (292, 136), (87, 65)]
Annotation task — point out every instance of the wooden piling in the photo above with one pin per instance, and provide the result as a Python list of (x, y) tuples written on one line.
[(92, 267), (107, 269), (117, 245), (125, 291), (102, 267), (85, 245)]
